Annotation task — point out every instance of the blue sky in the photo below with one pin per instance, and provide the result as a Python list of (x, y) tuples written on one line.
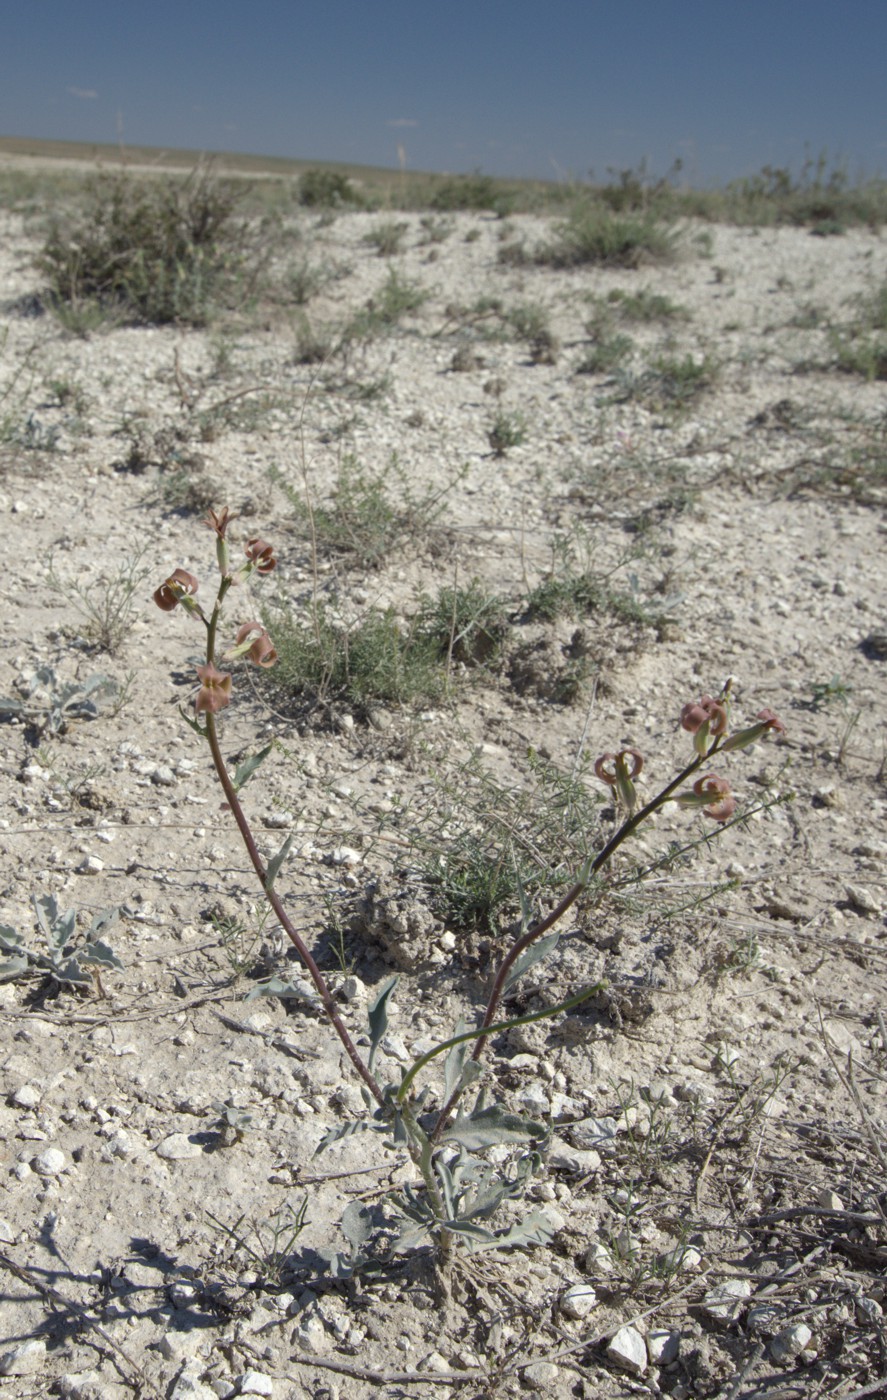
[(544, 88)]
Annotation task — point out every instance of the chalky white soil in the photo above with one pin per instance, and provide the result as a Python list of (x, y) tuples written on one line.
[(752, 1022)]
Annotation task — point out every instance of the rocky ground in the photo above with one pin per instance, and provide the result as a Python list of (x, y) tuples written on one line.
[(714, 1182)]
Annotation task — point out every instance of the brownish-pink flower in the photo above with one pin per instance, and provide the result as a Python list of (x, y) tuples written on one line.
[(618, 770), (770, 721), (717, 791), (705, 711), (178, 587), (261, 554), (261, 650), (215, 689)]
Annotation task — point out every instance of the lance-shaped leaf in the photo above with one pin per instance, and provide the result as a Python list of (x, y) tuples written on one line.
[(102, 921), (12, 943), (457, 1073), (58, 929), (277, 987), (100, 954), (530, 957), (276, 862), (488, 1127), (72, 972), (342, 1131), (378, 1018), (245, 770), (535, 1229)]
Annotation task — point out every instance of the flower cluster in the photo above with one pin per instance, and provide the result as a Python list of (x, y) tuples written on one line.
[(252, 639), (708, 720)]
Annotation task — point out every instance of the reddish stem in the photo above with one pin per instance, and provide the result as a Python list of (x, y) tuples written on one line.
[(314, 972)]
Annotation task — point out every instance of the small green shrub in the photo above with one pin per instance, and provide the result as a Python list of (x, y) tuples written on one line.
[(466, 624), (607, 352), (327, 189), (593, 234), (387, 238), (475, 191), (644, 306), (396, 298), (371, 513), (508, 430), (152, 252), (377, 659)]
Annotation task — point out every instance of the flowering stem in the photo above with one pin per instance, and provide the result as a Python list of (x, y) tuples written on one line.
[(273, 898), (544, 924)]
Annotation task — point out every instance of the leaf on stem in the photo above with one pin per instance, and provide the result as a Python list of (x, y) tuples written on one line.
[(245, 770), (378, 1019), (276, 862)]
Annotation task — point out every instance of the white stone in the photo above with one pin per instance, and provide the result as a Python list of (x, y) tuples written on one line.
[(312, 1335), (629, 1350), (24, 1359), (90, 865), (542, 1375), (50, 1163), (724, 1302), (573, 1159), (254, 1383), (598, 1259), (790, 1342), (434, 1362), (7, 1234), (862, 899), (663, 1346), (578, 1301), (28, 1096), (178, 1147), (80, 1385)]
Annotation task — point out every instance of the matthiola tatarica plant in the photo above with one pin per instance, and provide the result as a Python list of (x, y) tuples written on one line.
[(461, 1189)]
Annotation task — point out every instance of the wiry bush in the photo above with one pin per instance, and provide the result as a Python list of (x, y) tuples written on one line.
[(151, 252)]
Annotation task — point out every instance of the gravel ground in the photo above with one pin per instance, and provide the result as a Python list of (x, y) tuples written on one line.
[(714, 1181)]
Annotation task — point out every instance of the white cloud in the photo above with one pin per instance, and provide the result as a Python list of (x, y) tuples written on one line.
[(403, 121), (89, 93)]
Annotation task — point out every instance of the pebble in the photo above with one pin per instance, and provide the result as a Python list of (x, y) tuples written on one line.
[(598, 1259), (255, 1383), (578, 1301), (7, 1234), (663, 1346), (49, 1163), (434, 1362), (541, 1374), (24, 1359), (829, 1200), (723, 1303), (629, 1350), (788, 1344), (178, 1148), (28, 1096), (81, 1385), (90, 865), (862, 899), (345, 855), (163, 776), (353, 989)]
